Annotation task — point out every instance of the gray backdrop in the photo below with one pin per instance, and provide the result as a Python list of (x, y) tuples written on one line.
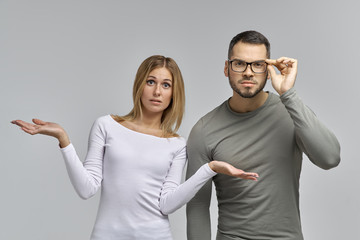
[(73, 61)]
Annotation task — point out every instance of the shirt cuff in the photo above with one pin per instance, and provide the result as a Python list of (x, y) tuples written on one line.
[(208, 170), (68, 148), (288, 94)]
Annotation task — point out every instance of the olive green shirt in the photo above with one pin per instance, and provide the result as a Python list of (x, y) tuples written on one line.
[(269, 141)]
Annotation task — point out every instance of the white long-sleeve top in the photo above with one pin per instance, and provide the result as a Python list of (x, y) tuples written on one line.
[(140, 178)]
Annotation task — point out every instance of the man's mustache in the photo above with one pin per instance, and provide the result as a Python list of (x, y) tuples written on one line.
[(248, 79)]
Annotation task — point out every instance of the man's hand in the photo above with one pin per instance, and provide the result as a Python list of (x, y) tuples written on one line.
[(288, 70), (228, 169)]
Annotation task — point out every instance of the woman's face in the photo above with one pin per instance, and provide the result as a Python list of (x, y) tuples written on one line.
[(157, 92)]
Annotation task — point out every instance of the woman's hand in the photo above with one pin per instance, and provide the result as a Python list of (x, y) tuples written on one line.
[(45, 128), (228, 169)]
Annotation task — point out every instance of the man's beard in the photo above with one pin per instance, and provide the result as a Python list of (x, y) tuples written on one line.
[(246, 93)]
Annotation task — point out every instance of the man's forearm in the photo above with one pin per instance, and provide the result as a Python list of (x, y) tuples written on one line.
[(317, 141)]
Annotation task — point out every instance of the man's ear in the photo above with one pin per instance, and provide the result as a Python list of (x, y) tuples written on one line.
[(226, 68), (268, 75)]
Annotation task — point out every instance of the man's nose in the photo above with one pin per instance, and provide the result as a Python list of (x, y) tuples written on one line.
[(248, 71)]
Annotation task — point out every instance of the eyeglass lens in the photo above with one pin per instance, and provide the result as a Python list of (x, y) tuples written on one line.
[(256, 67)]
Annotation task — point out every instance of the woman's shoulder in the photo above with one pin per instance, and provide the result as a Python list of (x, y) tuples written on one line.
[(104, 118), (179, 140), (103, 121)]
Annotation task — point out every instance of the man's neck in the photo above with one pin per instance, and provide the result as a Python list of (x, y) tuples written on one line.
[(243, 105)]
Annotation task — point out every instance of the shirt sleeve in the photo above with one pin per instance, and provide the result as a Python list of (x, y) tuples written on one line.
[(313, 138), (86, 177), (197, 210), (173, 194)]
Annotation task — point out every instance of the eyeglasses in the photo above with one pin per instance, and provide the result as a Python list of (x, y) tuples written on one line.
[(241, 66)]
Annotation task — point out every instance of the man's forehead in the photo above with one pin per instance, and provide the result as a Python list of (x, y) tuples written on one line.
[(251, 52)]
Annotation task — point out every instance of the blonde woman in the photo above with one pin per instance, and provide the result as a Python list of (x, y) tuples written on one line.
[(137, 159)]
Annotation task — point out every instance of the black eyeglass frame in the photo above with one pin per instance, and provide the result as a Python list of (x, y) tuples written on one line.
[(247, 64)]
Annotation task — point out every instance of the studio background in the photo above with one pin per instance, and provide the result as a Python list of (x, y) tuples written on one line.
[(73, 61)]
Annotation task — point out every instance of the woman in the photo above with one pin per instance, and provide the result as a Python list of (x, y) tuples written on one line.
[(137, 159)]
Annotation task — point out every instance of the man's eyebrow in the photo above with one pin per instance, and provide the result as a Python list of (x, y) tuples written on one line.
[(260, 60)]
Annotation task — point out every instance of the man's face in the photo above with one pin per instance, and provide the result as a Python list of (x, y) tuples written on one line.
[(247, 84)]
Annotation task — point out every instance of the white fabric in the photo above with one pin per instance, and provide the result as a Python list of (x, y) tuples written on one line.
[(140, 177)]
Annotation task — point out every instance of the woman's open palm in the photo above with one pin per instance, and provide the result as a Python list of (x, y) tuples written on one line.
[(45, 128), (228, 169)]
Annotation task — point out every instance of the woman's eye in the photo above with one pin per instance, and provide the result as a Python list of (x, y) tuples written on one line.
[(150, 82), (166, 85)]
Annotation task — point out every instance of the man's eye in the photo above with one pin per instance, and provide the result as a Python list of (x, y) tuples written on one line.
[(238, 63)]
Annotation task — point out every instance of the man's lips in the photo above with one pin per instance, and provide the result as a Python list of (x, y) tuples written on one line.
[(247, 83)]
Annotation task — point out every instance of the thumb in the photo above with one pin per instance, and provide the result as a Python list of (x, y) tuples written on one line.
[(272, 71), (38, 121)]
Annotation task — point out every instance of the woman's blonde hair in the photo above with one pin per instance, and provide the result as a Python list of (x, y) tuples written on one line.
[(173, 114)]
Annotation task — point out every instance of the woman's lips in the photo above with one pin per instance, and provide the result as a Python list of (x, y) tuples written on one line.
[(154, 101)]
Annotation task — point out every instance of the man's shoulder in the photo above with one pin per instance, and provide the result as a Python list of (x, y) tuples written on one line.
[(211, 118), (215, 112)]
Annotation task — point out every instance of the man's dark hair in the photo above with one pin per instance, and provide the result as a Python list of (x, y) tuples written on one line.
[(251, 37)]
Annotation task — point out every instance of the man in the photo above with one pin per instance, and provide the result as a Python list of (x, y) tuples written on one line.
[(261, 132)]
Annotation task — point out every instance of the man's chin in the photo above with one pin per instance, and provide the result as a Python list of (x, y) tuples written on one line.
[(247, 94)]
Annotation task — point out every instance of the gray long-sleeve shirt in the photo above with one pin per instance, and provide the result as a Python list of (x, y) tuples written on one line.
[(269, 141)]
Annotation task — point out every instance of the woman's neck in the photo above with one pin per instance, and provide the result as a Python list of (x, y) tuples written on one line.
[(150, 121), (146, 124)]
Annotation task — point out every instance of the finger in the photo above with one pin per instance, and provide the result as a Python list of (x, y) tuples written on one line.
[(270, 61), (281, 65), (21, 123), (38, 121), (288, 62), (293, 63), (251, 174), (281, 59), (29, 131), (16, 122), (271, 71), (246, 177), (278, 63), (284, 59), (251, 178)]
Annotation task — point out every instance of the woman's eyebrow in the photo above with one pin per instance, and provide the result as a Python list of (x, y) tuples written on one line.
[(166, 79)]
